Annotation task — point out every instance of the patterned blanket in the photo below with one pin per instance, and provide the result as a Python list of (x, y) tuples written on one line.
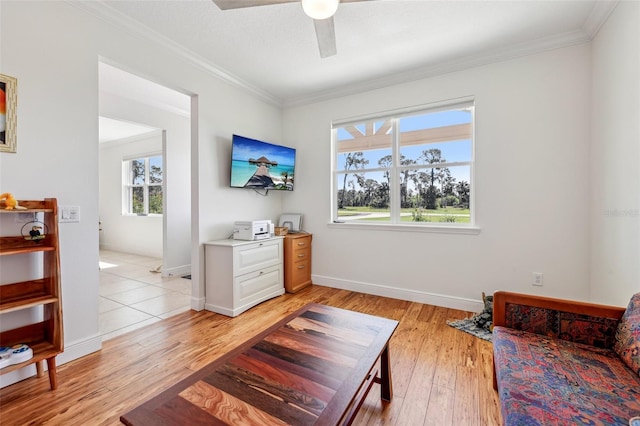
[(548, 381)]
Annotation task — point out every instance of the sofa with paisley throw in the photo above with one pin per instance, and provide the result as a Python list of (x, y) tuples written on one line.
[(561, 362)]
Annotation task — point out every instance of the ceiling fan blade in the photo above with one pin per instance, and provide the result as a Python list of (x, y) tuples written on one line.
[(237, 4), (326, 35)]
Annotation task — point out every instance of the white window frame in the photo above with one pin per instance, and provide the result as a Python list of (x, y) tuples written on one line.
[(127, 186), (394, 195)]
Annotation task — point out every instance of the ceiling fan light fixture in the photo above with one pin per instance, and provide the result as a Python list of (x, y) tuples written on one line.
[(320, 9)]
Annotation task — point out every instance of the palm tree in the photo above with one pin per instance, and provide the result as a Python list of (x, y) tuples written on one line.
[(405, 176), (432, 156), (354, 160), (370, 186), (462, 191)]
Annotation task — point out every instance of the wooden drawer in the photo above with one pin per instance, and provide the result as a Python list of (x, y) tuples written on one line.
[(301, 272), (301, 243), (301, 255)]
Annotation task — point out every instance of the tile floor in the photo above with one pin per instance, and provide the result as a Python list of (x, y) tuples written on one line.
[(131, 296)]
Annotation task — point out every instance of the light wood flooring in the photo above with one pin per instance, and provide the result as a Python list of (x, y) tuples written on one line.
[(441, 376)]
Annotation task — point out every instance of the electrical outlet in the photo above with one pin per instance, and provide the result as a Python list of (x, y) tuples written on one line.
[(536, 279)]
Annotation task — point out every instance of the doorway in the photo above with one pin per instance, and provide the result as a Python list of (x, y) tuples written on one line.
[(142, 121)]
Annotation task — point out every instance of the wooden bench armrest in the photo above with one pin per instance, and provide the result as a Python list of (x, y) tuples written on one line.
[(502, 298)]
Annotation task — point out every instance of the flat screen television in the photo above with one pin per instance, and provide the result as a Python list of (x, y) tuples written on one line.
[(261, 165)]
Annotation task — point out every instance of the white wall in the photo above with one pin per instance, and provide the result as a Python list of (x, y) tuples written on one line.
[(140, 235), (531, 183), (53, 49), (57, 132), (615, 156)]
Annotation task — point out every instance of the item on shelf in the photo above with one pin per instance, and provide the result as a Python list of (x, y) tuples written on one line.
[(5, 356), (10, 202), (34, 231), (293, 221), (20, 353), (252, 230), (281, 230), (15, 354)]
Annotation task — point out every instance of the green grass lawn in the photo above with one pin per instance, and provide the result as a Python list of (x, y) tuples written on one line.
[(438, 215)]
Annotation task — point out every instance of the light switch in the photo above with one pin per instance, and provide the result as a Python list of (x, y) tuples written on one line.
[(69, 214)]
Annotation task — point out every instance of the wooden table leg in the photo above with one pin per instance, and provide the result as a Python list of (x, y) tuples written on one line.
[(53, 377), (386, 388)]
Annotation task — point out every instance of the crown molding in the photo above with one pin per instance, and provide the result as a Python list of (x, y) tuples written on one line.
[(472, 61), (599, 14), (109, 15)]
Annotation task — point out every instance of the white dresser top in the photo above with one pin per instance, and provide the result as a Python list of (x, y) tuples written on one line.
[(231, 242)]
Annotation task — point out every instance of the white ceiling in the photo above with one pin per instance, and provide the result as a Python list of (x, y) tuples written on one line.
[(272, 50), (113, 130)]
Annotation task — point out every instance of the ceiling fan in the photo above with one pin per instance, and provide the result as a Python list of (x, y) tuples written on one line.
[(321, 11)]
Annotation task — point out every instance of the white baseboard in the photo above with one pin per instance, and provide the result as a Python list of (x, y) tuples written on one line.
[(75, 350), (178, 271), (442, 300), (19, 375), (125, 249), (237, 310), (71, 352), (197, 303)]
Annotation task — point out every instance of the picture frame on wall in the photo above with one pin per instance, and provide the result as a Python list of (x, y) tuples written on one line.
[(8, 113)]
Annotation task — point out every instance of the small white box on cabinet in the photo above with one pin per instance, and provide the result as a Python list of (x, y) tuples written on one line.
[(242, 274)]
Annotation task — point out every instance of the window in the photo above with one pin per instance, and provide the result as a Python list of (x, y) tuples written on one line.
[(143, 185), (412, 167)]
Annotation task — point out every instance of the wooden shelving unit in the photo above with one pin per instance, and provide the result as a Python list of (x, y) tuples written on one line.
[(46, 337)]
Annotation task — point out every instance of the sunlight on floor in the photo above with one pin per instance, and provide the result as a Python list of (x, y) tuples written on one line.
[(105, 265), (134, 294)]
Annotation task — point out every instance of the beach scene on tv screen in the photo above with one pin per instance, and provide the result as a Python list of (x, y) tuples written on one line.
[(261, 165)]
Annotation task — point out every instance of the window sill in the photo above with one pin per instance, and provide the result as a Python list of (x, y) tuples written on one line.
[(439, 229)]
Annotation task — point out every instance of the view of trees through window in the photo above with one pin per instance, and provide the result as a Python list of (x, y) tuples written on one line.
[(144, 185), (407, 168)]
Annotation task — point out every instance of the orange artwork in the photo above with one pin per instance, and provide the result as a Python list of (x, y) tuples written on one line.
[(3, 111), (8, 113)]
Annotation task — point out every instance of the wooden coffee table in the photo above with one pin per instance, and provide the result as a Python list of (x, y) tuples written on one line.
[(314, 367)]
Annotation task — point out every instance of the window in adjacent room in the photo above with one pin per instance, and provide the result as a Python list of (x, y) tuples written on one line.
[(143, 178), (409, 167)]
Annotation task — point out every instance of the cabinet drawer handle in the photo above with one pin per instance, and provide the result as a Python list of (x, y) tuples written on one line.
[(301, 267), (301, 244), (302, 255)]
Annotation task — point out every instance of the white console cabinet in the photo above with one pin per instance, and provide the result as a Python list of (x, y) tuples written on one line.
[(241, 274)]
